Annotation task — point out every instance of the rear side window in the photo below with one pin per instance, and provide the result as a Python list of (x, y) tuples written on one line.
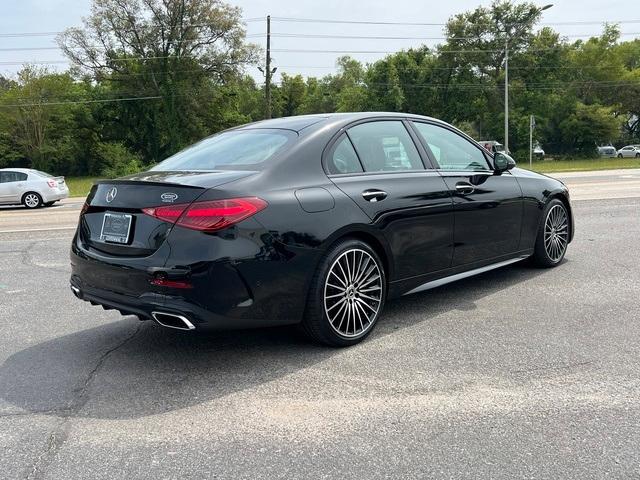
[(385, 146), (452, 151), (7, 177), (343, 158), (234, 150)]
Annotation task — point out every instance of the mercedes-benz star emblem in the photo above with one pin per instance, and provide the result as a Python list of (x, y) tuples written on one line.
[(111, 194)]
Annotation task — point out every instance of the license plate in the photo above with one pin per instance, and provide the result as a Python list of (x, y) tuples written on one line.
[(115, 228)]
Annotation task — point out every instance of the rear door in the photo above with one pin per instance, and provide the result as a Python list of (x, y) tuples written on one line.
[(378, 164), (488, 206)]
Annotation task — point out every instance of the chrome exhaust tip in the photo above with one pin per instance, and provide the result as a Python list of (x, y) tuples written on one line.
[(76, 291), (171, 320)]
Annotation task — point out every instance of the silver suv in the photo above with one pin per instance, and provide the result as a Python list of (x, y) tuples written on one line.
[(30, 188)]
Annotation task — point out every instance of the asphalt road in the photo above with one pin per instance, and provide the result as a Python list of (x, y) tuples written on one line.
[(518, 373)]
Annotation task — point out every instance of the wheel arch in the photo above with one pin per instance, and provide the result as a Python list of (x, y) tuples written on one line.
[(31, 191)]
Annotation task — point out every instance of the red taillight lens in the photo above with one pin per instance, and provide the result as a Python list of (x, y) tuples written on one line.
[(209, 216), (52, 183)]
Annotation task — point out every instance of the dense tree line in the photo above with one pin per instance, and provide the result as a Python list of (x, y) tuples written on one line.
[(151, 76)]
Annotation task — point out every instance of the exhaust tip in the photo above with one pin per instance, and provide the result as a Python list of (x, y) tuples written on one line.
[(76, 291), (171, 320)]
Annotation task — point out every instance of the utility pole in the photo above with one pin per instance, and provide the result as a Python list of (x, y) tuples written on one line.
[(506, 95), (268, 68), (268, 71), (532, 125)]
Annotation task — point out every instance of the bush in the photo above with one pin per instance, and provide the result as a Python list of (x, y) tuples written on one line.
[(117, 160)]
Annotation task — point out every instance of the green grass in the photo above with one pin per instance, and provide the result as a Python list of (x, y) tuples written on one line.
[(581, 165), (80, 186)]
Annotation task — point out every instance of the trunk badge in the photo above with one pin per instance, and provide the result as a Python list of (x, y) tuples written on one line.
[(111, 194), (169, 197)]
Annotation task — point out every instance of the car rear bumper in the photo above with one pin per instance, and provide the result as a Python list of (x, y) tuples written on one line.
[(149, 305), (56, 195), (258, 288)]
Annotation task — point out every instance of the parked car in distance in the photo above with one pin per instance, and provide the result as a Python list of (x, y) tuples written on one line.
[(492, 146), (607, 151), (630, 151), (538, 152), (30, 188), (314, 220)]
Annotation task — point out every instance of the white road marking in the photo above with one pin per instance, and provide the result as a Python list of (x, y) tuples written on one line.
[(37, 229)]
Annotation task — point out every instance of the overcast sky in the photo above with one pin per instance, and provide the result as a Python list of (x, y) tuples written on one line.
[(56, 15)]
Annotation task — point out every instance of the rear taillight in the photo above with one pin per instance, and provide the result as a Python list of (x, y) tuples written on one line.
[(52, 183), (210, 215)]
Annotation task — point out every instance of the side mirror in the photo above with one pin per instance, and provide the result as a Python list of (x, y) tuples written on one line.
[(503, 162)]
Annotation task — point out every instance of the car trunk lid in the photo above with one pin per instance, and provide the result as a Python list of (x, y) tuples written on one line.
[(114, 223)]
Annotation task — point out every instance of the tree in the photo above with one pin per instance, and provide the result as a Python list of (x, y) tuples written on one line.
[(44, 129), (175, 53)]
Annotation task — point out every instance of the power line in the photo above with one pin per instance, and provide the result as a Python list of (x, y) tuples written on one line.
[(76, 102), (47, 34), (305, 35), (422, 24)]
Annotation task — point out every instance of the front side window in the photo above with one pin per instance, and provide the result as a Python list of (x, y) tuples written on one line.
[(237, 149), (343, 158), (385, 146), (452, 151)]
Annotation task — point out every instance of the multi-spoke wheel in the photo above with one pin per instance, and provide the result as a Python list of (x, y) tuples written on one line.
[(553, 235), (347, 295), (353, 292), (32, 200)]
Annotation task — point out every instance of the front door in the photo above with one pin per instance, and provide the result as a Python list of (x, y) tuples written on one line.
[(10, 186), (488, 206)]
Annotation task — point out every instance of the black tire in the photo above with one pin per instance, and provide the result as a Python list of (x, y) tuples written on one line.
[(637, 155), (552, 254), (317, 324), (32, 200), (619, 155)]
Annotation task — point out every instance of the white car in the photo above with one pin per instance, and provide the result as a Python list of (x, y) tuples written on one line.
[(30, 188), (629, 151)]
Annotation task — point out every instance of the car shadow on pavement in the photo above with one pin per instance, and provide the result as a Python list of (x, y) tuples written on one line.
[(130, 369)]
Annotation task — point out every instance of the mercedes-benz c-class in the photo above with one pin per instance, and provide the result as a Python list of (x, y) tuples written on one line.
[(312, 220)]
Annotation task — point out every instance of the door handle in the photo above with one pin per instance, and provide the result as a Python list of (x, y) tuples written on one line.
[(374, 195), (464, 188)]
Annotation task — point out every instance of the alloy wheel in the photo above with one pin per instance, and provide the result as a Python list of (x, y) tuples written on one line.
[(32, 200), (353, 293), (556, 233)]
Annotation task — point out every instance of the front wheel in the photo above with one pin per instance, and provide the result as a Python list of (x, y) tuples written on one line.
[(553, 235), (32, 200), (347, 295), (619, 155), (637, 155)]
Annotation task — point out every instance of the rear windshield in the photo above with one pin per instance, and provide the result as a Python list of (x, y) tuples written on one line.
[(42, 174), (234, 150)]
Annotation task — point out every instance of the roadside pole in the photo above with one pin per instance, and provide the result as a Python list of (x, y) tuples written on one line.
[(268, 69), (532, 125)]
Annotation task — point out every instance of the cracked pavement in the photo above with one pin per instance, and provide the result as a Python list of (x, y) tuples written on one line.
[(517, 373)]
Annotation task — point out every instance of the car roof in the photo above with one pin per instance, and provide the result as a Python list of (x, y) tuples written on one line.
[(300, 122), (21, 170)]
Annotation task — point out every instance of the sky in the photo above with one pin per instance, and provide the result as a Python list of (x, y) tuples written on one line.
[(56, 15)]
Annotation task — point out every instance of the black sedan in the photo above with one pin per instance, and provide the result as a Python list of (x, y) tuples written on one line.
[(313, 220)]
